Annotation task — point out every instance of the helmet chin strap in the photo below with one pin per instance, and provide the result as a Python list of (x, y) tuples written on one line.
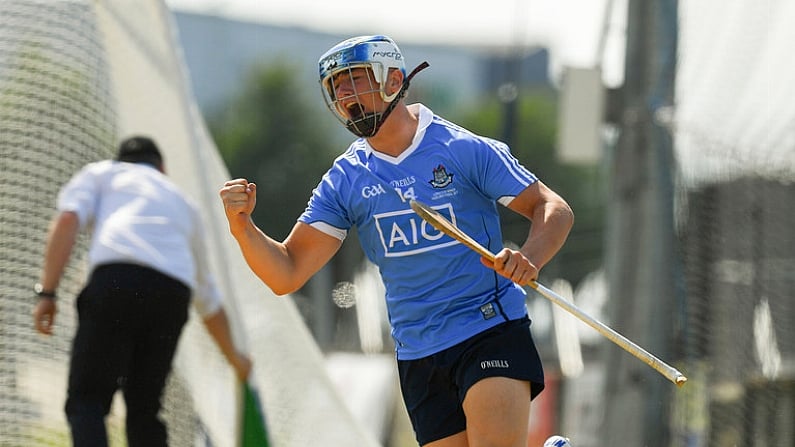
[(373, 121)]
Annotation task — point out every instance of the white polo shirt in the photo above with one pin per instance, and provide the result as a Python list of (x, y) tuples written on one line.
[(139, 216)]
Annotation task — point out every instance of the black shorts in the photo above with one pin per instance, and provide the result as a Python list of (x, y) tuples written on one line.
[(434, 387)]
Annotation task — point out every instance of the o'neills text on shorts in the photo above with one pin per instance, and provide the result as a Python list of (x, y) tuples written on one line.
[(494, 364)]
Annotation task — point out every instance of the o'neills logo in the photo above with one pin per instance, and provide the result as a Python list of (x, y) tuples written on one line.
[(494, 364)]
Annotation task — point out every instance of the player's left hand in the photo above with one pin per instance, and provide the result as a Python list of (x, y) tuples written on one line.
[(513, 265), (44, 316)]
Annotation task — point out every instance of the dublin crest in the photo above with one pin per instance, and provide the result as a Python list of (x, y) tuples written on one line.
[(441, 177)]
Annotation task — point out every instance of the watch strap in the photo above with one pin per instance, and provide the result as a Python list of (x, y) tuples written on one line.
[(42, 293)]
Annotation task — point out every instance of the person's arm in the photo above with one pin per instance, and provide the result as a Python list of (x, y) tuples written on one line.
[(207, 300), (217, 325), (551, 218), (283, 266), (61, 239)]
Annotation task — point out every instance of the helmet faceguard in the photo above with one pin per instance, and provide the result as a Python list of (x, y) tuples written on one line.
[(358, 108), (358, 111)]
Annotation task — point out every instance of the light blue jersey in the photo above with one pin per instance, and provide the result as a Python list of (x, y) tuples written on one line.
[(437, 291)]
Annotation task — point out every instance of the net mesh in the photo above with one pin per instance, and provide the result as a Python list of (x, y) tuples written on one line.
[(75, 77), (735, 146)]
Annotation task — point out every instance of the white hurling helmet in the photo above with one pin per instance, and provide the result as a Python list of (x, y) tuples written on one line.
[(379, 54)]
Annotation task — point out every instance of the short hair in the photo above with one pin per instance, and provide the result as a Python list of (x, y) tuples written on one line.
[(139, 149)]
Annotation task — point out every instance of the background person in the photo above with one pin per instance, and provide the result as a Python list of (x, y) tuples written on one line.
[(147, 260), (467, 362)]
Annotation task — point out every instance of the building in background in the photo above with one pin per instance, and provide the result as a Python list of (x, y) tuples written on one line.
[(220, 52)]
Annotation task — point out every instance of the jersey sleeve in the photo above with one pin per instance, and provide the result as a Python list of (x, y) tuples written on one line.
[(325, 210), (500, 174)]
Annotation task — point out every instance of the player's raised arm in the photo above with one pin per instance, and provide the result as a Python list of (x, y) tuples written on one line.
[(552, 219), (283, 266)]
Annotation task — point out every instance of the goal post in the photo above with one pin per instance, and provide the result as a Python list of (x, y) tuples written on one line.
[(75, 78)]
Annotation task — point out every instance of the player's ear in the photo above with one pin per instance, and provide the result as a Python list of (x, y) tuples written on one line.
[(394, 81)]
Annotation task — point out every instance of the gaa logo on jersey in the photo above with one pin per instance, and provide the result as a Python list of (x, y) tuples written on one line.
[(404, 233), (372, 191)]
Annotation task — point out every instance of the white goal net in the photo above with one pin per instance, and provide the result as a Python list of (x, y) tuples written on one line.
[(75, 78), (735, 145)]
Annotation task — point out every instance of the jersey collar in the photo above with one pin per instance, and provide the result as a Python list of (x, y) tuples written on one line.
[(425, 116)]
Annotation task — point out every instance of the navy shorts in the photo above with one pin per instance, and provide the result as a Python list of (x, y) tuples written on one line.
[(434, 387)]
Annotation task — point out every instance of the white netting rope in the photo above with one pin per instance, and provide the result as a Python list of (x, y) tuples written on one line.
[(75, 76)]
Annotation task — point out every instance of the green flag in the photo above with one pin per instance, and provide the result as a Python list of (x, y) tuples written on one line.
[(254, 432)]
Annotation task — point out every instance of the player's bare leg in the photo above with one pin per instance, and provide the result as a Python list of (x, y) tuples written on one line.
[(498, 413), (457, 440)]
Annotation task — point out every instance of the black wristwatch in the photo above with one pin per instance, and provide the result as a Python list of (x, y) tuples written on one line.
[(41, 293)]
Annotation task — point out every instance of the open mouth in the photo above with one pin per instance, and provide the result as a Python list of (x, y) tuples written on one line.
[(355, 111)]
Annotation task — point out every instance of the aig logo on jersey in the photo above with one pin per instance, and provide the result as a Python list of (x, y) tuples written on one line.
[(404, 233)]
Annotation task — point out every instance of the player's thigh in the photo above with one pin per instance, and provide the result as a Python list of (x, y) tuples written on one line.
[(498, 412), (456, 440)]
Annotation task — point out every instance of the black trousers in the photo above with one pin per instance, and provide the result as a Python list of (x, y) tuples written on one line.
[(130, 320)]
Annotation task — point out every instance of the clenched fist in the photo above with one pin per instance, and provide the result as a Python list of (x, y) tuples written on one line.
[(239, 198)]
